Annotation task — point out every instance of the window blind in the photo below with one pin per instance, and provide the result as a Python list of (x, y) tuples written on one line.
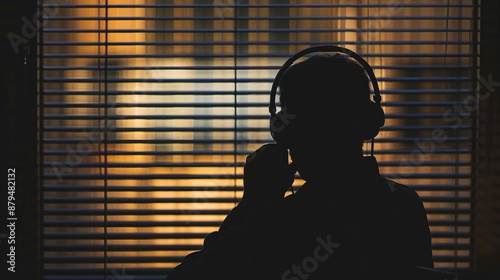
[(148, 109)]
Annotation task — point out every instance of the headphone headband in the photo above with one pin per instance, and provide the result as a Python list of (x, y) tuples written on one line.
[(323, 48)]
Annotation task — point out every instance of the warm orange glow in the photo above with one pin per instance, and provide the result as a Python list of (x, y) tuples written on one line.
[(182, 147)]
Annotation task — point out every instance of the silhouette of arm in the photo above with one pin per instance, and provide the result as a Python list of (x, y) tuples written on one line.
[(192, 266), (414, 239), (267, 176)]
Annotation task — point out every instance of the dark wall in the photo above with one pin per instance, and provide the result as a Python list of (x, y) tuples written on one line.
[(19, 124), (487, 231), (18, 136)]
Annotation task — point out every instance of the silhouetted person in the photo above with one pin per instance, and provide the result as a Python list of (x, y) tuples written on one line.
[(347, 221)]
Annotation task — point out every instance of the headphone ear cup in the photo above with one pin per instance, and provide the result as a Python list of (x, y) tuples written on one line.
[(278, 129), (274, 125), (373, 120)]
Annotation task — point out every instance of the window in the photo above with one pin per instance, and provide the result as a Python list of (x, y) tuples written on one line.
[(149, 108)]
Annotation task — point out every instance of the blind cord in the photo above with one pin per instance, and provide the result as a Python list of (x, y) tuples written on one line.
[(106, 139), (457, 156), (473, 37), (235, 63), (457, 144), (103, 161)]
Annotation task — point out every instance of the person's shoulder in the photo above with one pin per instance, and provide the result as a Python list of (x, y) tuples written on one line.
[(400, 189), (405, 197)]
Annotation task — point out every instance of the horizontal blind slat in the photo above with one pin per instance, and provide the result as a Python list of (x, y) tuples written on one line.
[(188, 124)]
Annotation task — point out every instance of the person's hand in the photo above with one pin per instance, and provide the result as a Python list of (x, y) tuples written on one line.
[(267, 175)]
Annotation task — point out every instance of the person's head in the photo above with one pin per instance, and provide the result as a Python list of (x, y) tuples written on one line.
[(330, 96)]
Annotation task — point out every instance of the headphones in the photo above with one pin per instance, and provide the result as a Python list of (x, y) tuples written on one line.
[(373, 115)]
